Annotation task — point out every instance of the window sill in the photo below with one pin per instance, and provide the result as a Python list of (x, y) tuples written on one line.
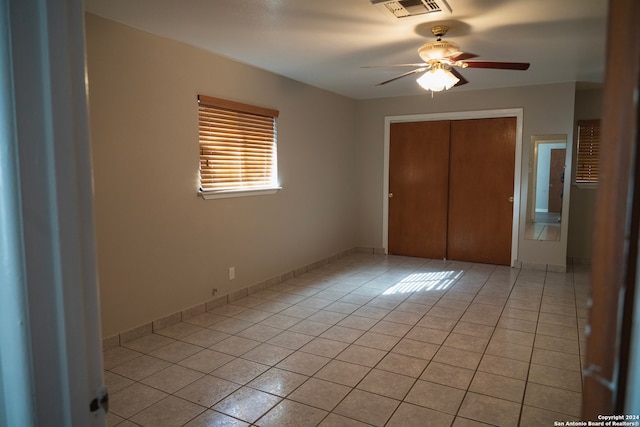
[(209, 195), (586, 185)]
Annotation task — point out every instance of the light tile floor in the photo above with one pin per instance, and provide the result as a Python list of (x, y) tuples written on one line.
[(367, 340)]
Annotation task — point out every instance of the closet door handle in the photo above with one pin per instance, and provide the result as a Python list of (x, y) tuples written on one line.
[(391, 195), (510, 199)]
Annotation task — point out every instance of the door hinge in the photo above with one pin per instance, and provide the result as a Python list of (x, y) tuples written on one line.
[(101, 401)]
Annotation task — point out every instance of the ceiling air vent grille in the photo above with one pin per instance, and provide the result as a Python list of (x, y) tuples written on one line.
[(432, 6), (405, 8)]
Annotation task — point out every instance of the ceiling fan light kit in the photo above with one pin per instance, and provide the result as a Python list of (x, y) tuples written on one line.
[(437, 79)]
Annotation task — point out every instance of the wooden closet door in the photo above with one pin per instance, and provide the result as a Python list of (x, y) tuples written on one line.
[(482, 159), (418, 175)]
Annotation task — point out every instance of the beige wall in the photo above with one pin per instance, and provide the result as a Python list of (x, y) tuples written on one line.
[(583, 200), (161, 248), (547, 109)]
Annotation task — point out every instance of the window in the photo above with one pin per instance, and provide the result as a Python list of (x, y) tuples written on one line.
[(588, 152), (238, 154)]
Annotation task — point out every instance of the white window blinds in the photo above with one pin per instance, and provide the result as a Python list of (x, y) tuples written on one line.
[(237, 146)]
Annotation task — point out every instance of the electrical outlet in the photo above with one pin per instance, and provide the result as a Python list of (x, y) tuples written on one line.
[(232, 273)]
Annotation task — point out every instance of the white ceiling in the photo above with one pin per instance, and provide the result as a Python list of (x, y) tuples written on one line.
[(325, 43)]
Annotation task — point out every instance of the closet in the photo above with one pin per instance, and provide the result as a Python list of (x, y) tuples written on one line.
[(451, 189)]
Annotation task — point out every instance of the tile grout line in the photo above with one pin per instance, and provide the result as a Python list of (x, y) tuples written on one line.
[(526, 381), (377, 321), (488, 341)]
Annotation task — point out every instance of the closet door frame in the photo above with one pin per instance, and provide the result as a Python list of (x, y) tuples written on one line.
[(461, 115)]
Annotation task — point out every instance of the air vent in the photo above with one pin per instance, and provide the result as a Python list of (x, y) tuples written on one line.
[(406, 8)]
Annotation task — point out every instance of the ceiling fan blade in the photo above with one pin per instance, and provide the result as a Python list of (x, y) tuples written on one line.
[(498, 65), (461, 56), (462, 81), (408, 73), (417, 64)]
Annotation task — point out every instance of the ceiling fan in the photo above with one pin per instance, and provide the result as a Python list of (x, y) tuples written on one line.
[(440, 57)]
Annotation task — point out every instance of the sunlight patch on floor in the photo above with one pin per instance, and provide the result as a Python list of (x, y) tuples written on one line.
[(432, 281)]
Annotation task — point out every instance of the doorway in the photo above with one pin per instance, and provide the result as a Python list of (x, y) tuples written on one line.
[(556, 179), (456, 246)]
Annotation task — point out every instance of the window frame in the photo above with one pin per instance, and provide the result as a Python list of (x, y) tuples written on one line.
[(226, 106), (593, 124)]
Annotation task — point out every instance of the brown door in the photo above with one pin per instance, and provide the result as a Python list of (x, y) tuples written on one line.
[(610, 365), (418, 175), (556, 179), (482, 159)]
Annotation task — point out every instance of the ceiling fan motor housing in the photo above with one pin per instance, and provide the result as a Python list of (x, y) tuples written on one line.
[(437, 50)]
